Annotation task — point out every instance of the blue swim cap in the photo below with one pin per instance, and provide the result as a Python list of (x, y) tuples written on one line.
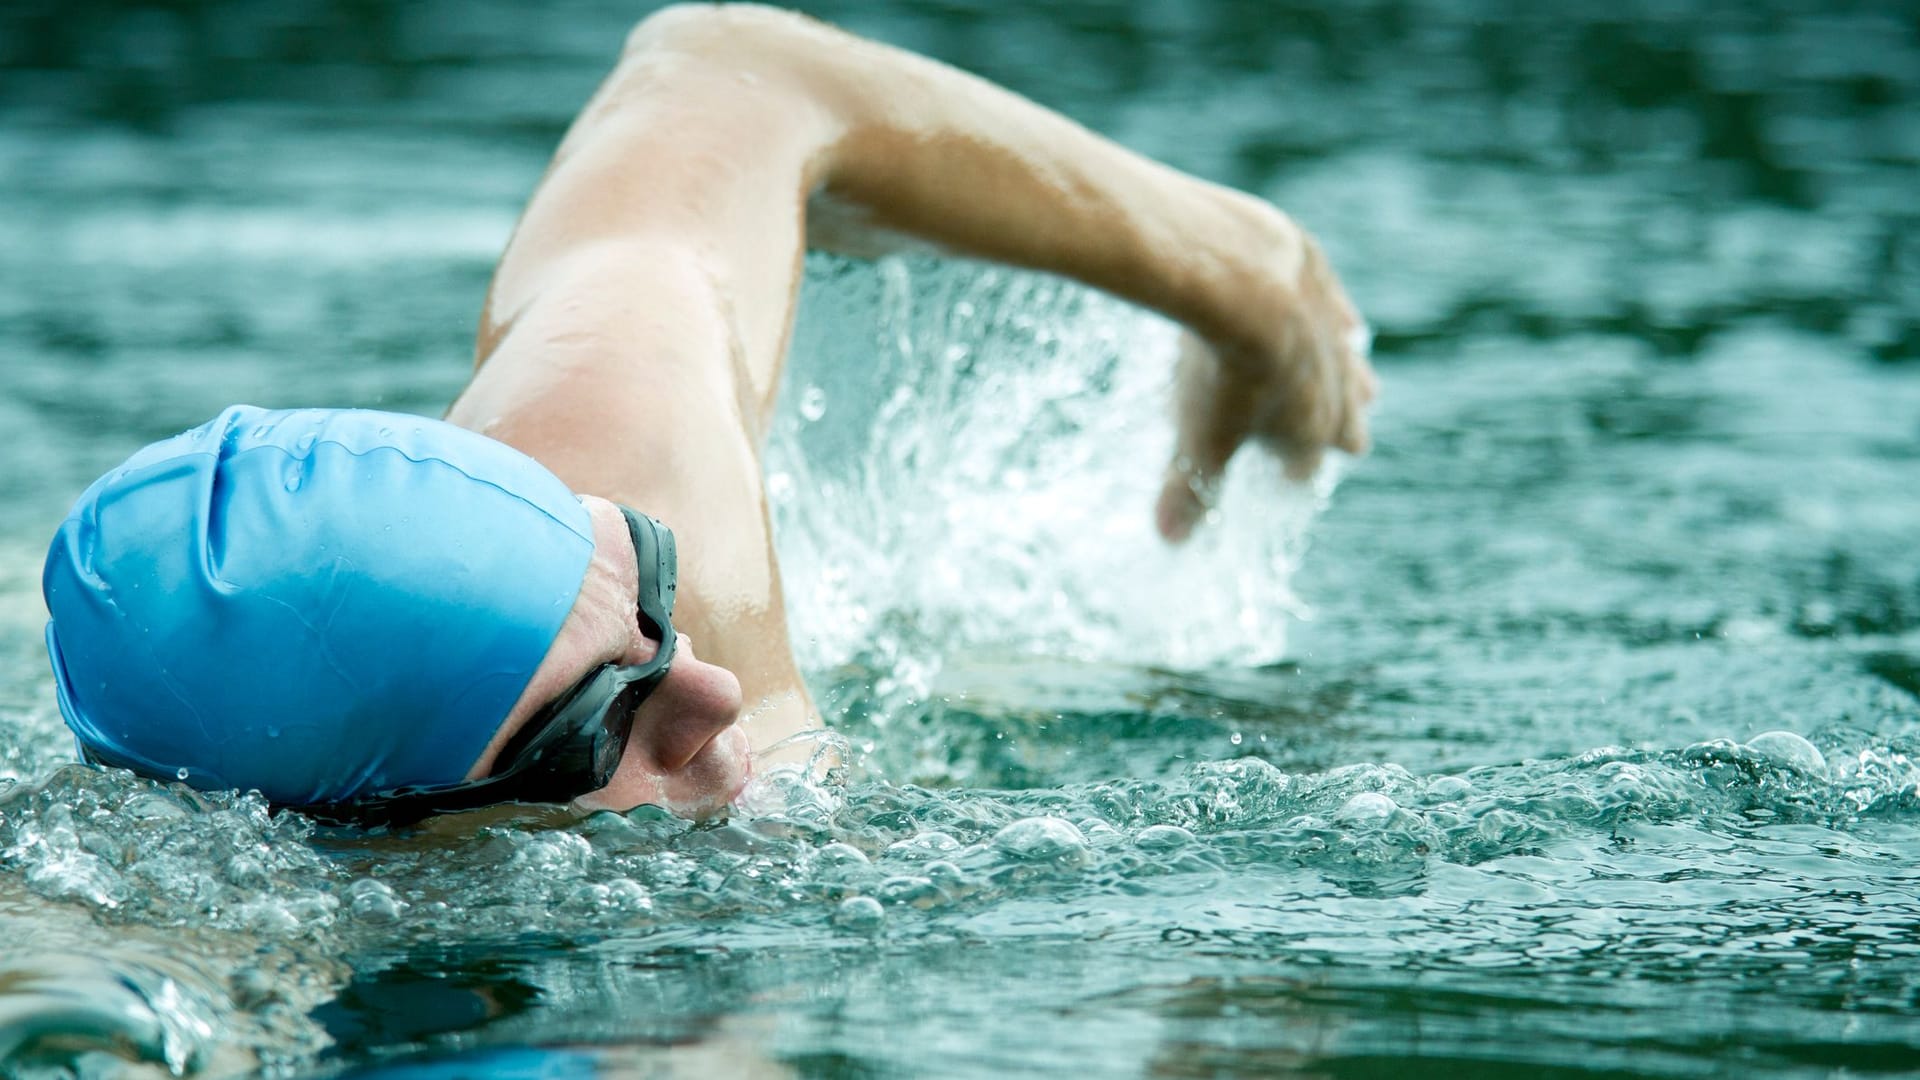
[(318, 603)]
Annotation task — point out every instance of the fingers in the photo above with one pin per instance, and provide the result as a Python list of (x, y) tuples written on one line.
[(1180, 507), (1352, 436), (1363, 386), (1302, 462), (1212, 418), (1328, 410), (1309, 403)]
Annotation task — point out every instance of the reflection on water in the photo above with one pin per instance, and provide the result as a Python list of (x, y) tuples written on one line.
[(1575, 730)]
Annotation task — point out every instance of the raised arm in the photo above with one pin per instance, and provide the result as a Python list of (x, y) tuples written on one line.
[(637, 323), (720, 122)]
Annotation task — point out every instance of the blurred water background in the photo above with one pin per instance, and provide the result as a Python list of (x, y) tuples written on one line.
[(1572, 733)]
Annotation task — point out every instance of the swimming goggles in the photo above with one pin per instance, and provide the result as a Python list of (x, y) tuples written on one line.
[(573, 744)]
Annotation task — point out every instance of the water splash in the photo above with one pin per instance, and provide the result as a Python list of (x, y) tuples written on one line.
[(271, 901), (984, 482)]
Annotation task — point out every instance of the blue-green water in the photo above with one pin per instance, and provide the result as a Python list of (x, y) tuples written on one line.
[(1572, 732)]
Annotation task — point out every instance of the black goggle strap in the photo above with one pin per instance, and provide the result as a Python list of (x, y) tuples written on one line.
[(526, 749), (583, 709), (405, 805), (659, 565), (400, 806)]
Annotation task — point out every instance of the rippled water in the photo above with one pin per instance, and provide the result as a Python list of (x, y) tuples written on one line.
[(1574, 731)]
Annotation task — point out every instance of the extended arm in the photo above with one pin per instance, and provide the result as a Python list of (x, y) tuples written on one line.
[(720, 122), (637, 323)]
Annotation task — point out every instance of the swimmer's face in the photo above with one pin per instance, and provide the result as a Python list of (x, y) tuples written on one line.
[(687, 752)]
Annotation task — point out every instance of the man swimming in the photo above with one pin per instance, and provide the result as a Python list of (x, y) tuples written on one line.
[(377, 617)]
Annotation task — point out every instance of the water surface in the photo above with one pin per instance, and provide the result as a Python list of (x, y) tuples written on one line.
[(1572, 732)]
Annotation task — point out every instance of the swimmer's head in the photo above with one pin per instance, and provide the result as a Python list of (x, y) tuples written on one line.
[(318, 604)]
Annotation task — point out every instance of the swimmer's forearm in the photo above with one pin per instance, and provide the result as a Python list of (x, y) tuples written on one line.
[(932, 151), (983, 171)]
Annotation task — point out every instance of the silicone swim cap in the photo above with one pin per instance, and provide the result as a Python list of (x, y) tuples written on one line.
[(320, 603)]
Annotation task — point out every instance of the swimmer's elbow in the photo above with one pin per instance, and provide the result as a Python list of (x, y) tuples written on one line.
[(781, 60), (715, 31), (671, 27)]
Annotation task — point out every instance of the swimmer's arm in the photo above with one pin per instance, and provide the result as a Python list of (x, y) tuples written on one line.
[(914, 146), (698, 155), (918, 147)]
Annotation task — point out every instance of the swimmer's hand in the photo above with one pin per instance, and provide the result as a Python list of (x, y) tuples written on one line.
[(1299, 386)]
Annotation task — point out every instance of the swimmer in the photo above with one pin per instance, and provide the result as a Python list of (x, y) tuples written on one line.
[(566, 590)]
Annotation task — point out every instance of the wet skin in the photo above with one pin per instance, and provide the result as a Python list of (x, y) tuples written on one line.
[(638, 321)]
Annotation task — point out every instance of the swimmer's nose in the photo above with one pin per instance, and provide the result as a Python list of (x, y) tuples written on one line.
[(695, 702)]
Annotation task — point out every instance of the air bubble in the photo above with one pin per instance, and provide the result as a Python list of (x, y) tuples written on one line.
[(1162, 838), (924, 846), (840, 854), (862, 914), (911, 889), (1789, 750), (1042, 839), (374, 901), (946, 875), (813, 403), (1367, 808)]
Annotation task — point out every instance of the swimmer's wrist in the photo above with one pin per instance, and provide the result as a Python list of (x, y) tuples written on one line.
[(1254, 286)]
